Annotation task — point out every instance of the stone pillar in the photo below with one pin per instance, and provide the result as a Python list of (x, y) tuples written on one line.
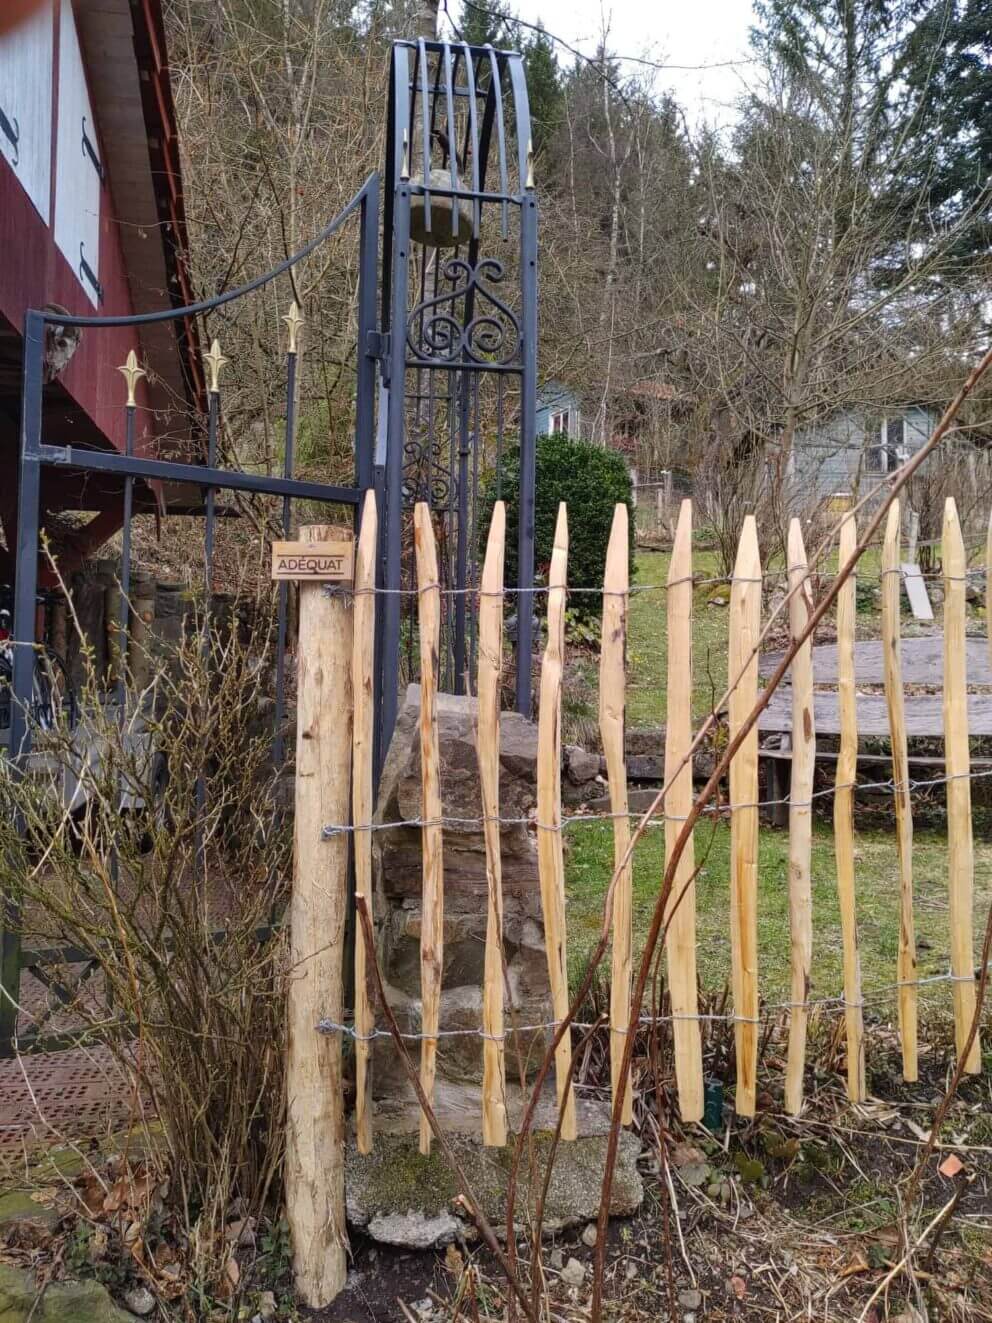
[(397, 864)]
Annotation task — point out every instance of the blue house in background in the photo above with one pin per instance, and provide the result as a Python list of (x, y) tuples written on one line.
[(559, 410), (850, 448)]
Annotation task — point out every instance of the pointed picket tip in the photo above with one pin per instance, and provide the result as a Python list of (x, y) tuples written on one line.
[(495, 541), (561, 528), (748, 561), (617, 550), (682, 544), (796, 547)]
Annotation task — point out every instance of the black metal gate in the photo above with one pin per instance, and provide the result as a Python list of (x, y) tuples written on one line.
[(39, 454), (455, 354)]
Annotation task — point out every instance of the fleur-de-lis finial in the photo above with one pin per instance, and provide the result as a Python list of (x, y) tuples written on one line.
[(132, 372), (530, 165), (294, 321), (215, 360)]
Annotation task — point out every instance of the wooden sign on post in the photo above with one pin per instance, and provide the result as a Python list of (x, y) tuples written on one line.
[(331, 562)]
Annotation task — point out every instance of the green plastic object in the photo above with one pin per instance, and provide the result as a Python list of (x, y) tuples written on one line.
[(713, 1105)]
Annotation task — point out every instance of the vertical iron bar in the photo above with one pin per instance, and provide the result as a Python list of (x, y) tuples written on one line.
[(208, 553), (473, 128), (23, 641), (461, 562), (394, 454), (365, 385), (209, 497), (279, 737), (425, 146), (123, 618), (528, 421), (496, 92), (449, 96)]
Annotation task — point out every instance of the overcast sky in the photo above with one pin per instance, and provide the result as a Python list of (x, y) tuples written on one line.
[(680, 32)]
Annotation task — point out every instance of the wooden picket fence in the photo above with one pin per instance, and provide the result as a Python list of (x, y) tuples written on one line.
[(744, 628)]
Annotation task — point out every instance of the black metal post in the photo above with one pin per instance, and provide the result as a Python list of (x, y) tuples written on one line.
[(461, 548), (279, 738), (398, 177), (24, 625), (528, 423), (125, 607)]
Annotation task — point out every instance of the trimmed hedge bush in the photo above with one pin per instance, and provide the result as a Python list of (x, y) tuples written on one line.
[(590, 480)]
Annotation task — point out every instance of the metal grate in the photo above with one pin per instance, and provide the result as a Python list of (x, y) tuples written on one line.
[(64, 1096)]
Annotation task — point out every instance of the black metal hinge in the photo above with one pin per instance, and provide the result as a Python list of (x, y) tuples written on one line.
[(86, 272), (12, 131), (377, 347), (90, 151)]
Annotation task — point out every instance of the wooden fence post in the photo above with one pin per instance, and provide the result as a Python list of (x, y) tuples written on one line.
[(550, 856), (490, 677), (847, 771), (680, 921), (315, 1207), (432, 833), (361, 796), (612, 701), (895, 703), (957, 764), (745, 629), (800, 820)]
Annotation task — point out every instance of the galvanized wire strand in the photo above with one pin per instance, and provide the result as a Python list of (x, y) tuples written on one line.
[(836, 1003), (657, 819), (697, 581)]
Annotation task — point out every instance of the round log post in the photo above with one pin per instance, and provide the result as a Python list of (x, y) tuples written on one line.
[(315, 1147)]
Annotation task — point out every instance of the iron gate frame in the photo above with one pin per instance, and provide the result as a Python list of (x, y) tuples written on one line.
[(36, 454)]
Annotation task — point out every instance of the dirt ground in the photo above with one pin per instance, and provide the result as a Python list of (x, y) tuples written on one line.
[(778, 1218)]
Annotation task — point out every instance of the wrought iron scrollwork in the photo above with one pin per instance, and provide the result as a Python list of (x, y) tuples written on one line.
[(491, 338), (424, 477)]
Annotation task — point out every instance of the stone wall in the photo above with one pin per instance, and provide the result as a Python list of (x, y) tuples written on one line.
[(398, 881)]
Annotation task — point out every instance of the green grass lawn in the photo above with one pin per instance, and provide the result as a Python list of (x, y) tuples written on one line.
[(589, 865), (589, 856), (648, 640)]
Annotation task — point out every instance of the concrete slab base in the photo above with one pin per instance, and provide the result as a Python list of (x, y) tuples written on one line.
[(399, 1197)]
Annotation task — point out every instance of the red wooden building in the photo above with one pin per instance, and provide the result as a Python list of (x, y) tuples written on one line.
[(92, 222)]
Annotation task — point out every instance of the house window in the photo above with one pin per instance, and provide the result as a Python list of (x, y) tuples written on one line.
[(890, 450), (559, 422)]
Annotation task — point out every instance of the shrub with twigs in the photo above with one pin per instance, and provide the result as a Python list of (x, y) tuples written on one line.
[(172, 879)]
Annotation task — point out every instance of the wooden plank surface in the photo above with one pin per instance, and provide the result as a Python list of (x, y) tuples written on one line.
[(800, 820), (612, 704), (960, 844), (550, 856), (490, 678), (924, 714), (680, 918), (847, 771), (432, 897), (895, 702), (922, 658), (361, 801), (745, 627)]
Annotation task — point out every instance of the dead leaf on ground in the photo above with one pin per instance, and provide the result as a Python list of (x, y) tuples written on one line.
[(738, 1285), (453, 1261), (951, 1166), (685, 1155), (855, 1264)]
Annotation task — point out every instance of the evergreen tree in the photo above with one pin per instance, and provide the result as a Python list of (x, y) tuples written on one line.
[(544, 87), (489, 23), (948, 71)]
